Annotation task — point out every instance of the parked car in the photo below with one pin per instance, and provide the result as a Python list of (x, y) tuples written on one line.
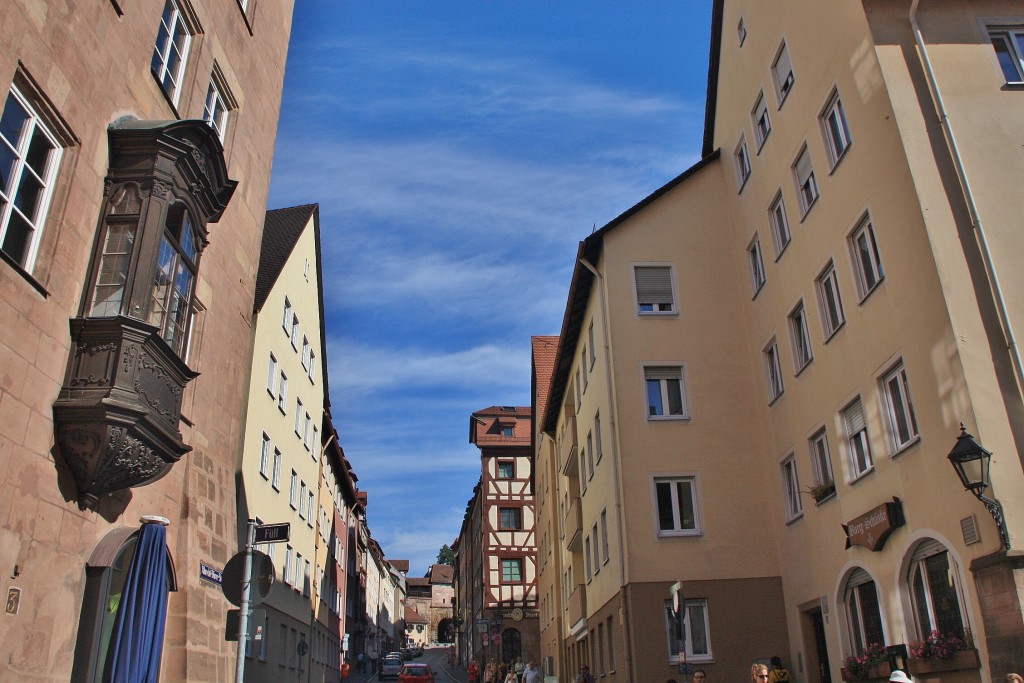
[(390, 667), (416, 673), (407, 654)]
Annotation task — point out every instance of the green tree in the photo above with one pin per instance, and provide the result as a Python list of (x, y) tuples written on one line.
[(446, 555)]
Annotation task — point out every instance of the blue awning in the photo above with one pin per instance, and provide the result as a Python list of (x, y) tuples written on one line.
[(138, 635)]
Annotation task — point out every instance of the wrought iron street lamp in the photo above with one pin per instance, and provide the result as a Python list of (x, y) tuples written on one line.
[(972, 463)]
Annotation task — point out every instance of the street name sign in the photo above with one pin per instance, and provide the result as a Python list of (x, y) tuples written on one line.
[(273, 533)]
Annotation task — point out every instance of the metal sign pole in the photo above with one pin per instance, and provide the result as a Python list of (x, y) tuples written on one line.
[(243, 616)]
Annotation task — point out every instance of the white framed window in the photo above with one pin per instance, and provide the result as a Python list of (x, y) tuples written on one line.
[(590, 455), (265, 456), (782, 74), (756, 262), (29, 159), (298, 417), (170, 54), (312, 366), (293, 495), (800, 336), (597, 437), (654, 292), (286, 322), (215, 109), (276, 481), (310, 508), (837, 133), (587, 567), (863, 612), (298, 570), (302, 500), (289, 554), (306, 578), (821, 460), (666, 394), (272, 375), (857, 442), (315, 442), (741, 156), (296, 331), (579, 390), (1008, 42), (899, 408), (282, 392), (830, 300), (606, 555), (307, 439), (773, 370), (741, 32), (675, 501), (780, 225), (694, 629), (867, 264), (593, 347), (791, 488), (806, 184), (596, 550), (583, 368), (583, 471), (934, 585), (762, 122), (305, 352)]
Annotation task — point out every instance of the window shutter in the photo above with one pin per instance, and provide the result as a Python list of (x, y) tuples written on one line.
[(783, 68), (663, 373), (803, 166), (854, 416), (653, 284), (926, 549)]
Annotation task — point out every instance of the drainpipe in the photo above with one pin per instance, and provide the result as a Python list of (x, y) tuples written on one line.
[(979, 230), (614, 454)]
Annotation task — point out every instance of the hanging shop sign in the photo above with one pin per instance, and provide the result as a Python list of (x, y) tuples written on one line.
[(871, 529)]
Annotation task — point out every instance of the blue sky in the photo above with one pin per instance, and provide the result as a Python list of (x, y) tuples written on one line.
[(459, 152)]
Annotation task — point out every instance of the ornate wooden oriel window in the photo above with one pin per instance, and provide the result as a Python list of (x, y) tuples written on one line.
[(117, 416)]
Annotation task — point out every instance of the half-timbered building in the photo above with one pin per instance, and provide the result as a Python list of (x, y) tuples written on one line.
[(506, 549)]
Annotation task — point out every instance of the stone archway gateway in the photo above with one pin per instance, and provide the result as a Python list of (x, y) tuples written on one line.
[(446, 631)]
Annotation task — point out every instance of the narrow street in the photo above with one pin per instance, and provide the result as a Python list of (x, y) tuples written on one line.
[(436, 657)]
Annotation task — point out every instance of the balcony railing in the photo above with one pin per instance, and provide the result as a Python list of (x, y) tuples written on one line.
[(577, 610), (573, 526)]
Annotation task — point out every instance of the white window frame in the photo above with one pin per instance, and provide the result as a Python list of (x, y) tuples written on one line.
[(293, 494), (821, 459), (596, 563), (265, 449), (741, 32), (800, 336), (741, 157), (858, 442), (282, 392), (306, 350), (286, 321), (761, 120), (924, 552), (272, 375), (278, 457), (835, 129), (1011, 38), (779, 221), (593, 346), (665, 374), (303, 489), (693, 608), (21, 169), (289, 554), (782, 73), (791, 488), (215, 109), (830, 300), (677, 529), (806, 182), (773, 370), (899, 408), (755, 259), (598, 444), (296, 331), (587, 567), (867, 261), (853, 604), (312, 366), (604, 537), (654, 286), (173, 28)]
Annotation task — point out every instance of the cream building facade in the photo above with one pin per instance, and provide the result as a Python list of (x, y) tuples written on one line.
[(855, 215), (280, 459)]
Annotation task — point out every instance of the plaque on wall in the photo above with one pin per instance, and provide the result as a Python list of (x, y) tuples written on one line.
[(871, 529)]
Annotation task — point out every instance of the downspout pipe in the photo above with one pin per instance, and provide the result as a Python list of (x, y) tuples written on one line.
[(979, 230), (614, 447)]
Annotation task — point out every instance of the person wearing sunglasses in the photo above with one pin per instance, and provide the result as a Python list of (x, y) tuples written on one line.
[(759, 673)]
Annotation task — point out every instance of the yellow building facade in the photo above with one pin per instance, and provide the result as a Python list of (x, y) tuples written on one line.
[(764, 365)]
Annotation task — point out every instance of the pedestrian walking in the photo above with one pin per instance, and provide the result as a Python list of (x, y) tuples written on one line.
[(531, 674), (361, 662), (779, 674), (759, 673), (700, 676), (584, 675), (473, 671)]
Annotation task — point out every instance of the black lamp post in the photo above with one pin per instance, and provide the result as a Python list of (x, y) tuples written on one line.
[(973, 465)]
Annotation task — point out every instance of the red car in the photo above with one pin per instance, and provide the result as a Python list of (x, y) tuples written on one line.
[(416, 673)]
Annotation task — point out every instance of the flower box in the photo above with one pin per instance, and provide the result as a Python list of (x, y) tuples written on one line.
[(961, 659), (879, 672)]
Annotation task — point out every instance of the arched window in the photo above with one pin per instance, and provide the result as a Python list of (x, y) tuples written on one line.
[(105, 576), (511, 645), (863, 614), (934, 587)]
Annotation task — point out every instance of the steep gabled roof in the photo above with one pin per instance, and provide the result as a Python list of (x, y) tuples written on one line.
[(441, 573), (281, 231), (544, 350)]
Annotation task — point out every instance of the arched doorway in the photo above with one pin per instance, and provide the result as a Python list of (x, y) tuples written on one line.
[(511, 644), (446, 631)]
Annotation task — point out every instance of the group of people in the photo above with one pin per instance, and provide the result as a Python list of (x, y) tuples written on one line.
[(504, 672)]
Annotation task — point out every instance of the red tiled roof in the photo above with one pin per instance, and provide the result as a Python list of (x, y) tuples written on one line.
[(545, 349), (441, 573), (414, 617), (400, 565), (485, 426)]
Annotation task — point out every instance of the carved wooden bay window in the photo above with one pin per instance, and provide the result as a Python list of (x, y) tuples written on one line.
[(116, 419)]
